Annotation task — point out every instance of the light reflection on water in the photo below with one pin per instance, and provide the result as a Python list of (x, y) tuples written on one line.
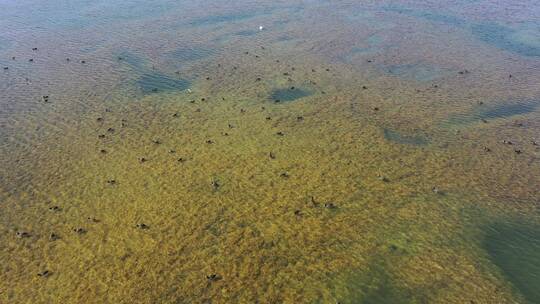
[(175, 152)]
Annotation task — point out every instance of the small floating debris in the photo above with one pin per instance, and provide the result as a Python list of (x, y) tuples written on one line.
[(436, 190), (93, 219), (22, 234), (383, 178), (213, 277), (44, 274), (79, 230), (330, 205), (55, 209), (142, 226)]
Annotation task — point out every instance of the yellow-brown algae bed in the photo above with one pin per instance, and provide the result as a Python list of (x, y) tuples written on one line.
[(345, 152)]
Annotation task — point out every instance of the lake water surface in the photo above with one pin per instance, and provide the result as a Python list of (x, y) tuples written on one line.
[(269, 151)]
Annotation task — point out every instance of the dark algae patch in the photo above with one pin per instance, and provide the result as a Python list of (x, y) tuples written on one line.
[(507, 110), (498, 111), (156, 82), (216, 19), (149, 80), (515, 248), (184, 54), (418, 72), (416, 140), (246, 33), (134, 61), (507, 38), (289, 94)]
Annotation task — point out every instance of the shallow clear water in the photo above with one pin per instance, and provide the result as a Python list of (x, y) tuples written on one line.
[(353, 152)]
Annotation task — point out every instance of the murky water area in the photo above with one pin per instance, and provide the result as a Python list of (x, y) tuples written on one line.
[(269, 151)]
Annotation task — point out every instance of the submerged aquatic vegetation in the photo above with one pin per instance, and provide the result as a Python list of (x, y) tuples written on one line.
[(257, 171)]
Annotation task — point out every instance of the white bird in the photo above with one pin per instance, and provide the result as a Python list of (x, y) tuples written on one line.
[(261, 27)]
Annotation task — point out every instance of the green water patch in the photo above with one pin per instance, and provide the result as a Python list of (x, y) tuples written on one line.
[(515, 249), (289, 94), (524, 41), (135, 61), (4, 44), (376, 286), (150, 83), (184, 54), (396, 137), (427, 15), (417, 72), (499, 111), (221, 18), (246, 33)]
